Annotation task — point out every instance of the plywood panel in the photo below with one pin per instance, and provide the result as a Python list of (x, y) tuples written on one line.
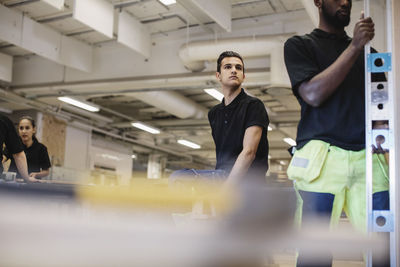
[(53, 136)]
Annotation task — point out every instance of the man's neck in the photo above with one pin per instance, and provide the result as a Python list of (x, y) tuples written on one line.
[(230, 94), (326, 27)]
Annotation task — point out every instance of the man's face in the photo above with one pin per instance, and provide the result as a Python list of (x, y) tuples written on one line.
[(231, 74), (336, 12)]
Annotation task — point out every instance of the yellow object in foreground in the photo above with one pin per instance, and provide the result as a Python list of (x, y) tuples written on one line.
[(148, 195)]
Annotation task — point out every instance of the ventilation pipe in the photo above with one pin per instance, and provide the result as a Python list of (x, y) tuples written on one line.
[(194, 54), (173, 103)]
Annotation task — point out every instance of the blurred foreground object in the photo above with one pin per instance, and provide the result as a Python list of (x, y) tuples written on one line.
[(60, 225)]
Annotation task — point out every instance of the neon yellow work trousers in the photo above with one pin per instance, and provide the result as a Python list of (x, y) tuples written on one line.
[(320, 167)]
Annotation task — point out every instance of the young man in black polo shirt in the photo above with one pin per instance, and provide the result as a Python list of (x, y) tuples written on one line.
[(9, 137), (239, 128), (239, 124), (326, 69)]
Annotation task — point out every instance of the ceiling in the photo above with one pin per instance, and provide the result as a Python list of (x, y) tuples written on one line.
[(116, 95)]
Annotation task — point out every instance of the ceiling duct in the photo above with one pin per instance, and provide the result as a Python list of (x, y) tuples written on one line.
[(173, 103), (195, 54)]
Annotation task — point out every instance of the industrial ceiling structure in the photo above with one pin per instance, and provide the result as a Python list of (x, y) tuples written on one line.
[(148, 61)]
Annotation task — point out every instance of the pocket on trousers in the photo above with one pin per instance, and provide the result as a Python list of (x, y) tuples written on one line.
[(307, 162)]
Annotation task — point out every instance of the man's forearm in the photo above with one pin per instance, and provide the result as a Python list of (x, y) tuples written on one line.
[(41, 174), (242, 164), (323, 85), (20, 161)]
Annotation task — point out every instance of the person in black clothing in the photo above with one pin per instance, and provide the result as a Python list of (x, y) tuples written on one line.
[(239, 124), (9, 137), (326, 70), (36, 153), (239, 128)]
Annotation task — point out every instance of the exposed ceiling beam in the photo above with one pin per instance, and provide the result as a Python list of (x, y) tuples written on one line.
[(133, 34), (97, 14), (203, 10), (20, 30), (6, 63)]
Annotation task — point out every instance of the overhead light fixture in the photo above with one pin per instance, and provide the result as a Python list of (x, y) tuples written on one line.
[(168, 2), (5, 110), (188, 144), (80, 103), (145, 127), (133, 156), (110, 157), (282, 162), (214, 93), (271, 126), (290, 141)]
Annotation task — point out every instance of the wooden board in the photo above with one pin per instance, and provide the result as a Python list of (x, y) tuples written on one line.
[(53, 137)]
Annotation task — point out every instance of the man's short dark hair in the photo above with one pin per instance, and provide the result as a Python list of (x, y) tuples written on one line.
[(227, 54)]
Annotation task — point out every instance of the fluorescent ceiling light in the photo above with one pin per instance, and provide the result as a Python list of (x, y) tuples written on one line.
[(5, 110), (79, 103), (290, 141), (145, 127), (168, 2), (133, 156), (188, 144), (214, 93), (111, 157), (271, 126)]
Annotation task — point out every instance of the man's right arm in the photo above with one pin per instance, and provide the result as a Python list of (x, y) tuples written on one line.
[(20, 162), (318, 89), (15, 148)]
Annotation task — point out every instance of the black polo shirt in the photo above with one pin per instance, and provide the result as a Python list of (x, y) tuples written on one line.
[(36, 157), (340, 120), (9, 137), (229, 123)]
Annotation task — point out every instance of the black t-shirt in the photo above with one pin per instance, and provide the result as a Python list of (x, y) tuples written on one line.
[(9, 137), (229, 123), (340, 120), (36, 157)]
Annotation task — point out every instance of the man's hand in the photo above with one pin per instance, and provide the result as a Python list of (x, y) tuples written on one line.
[(364, 31), (379, 150), (33, 180), (33, 174)]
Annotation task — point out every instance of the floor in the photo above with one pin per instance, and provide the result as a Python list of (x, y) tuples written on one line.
[(288, 260)]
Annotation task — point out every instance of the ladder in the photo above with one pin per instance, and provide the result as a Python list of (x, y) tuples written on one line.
[(379, 108)]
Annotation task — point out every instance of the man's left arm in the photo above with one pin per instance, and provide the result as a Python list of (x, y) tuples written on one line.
[(251, 140)]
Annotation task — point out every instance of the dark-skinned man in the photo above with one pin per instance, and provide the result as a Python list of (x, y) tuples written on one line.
[(326, 69)]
